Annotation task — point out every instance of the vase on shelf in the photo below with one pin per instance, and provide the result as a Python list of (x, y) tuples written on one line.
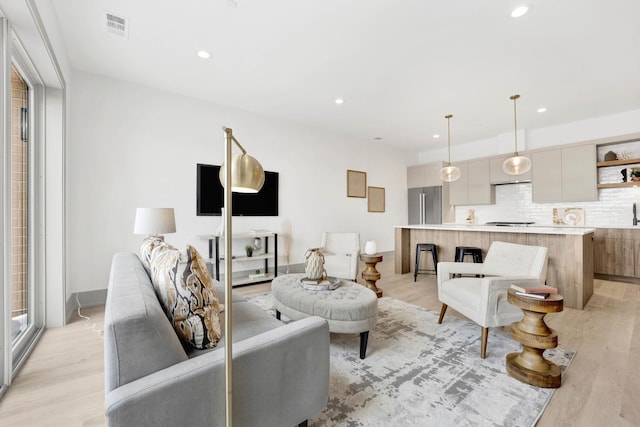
[(370, 247), (220, 229)]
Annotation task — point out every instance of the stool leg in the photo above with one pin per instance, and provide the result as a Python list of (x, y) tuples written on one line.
[(415, 272), (434, 254)]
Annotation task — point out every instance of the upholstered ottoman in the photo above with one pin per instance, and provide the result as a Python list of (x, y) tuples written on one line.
[(349, 309)]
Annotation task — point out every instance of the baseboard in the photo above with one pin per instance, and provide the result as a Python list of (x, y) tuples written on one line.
[(86, 299)]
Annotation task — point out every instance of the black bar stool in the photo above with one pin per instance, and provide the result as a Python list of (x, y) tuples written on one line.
[(422, 247), (461, 251)]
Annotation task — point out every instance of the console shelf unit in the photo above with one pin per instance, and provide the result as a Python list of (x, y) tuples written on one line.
[(215, 256)]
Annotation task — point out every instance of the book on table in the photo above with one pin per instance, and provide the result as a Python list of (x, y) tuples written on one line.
[(534, 289), (536, 296)]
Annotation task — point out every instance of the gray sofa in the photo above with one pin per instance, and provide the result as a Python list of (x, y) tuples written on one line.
[(280, 372)]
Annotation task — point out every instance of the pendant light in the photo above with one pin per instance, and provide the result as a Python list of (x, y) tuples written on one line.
[(516, 165), (449, 173)]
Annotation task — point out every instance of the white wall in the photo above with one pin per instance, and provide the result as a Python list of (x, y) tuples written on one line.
[(132, 146)]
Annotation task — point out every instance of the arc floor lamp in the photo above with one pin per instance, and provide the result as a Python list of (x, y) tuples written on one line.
[(246, 175)]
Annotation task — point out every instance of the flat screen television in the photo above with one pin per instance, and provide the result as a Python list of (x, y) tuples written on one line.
[(210, 196)]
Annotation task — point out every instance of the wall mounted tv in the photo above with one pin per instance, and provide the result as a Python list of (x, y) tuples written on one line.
[(210, 197)]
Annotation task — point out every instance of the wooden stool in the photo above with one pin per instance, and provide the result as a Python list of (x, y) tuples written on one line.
[(422, 247), (529, 366), (370, 274), (461, 251)]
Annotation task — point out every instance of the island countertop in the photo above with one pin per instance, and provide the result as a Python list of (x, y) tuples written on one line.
[(530, 229), (570, 251)]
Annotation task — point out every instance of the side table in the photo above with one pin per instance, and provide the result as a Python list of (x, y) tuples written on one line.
[(529, 366), (370, 274)]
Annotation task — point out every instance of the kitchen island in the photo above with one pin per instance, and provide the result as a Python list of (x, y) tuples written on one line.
[(570, 252)]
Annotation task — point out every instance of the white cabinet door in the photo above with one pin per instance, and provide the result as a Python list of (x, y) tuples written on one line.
[(459, 190), (579, 174), (432, 174), (415, 176), (546, 176), (480, 190)]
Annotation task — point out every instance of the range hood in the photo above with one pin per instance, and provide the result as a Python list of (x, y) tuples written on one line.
[(510, 223)]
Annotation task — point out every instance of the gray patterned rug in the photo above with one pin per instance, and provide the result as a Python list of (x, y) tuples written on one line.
[(420, 373)]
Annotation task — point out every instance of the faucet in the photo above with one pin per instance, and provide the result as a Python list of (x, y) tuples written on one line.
[(635, 219)]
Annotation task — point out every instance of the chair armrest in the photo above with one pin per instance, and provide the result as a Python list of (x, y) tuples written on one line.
[(280, 377), (491, 290), (447, 269)]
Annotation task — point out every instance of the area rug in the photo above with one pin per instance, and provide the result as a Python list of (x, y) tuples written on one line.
[(417, 372)]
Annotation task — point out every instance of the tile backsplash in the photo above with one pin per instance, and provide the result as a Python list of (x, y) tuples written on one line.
[(513, 203)]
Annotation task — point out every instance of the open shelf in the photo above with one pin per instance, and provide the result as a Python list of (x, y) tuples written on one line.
[(617, 163), (619, 184)]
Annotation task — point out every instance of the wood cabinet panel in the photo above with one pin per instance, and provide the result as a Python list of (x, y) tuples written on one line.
[(473, 187), (459, 190), (426, 175), (616, 252), (579, 177), (546, 176)]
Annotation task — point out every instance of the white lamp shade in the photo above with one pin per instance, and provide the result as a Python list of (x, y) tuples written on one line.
[(247, 174), (154, 221), (450, 173), (516, 165)]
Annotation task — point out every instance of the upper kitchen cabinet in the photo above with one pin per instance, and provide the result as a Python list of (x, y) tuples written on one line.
[(498, 176), (564, 175), (474, 186), (427, 175)]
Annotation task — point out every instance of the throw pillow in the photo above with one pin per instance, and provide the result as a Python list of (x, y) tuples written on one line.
[(148, 245), (186, 291)]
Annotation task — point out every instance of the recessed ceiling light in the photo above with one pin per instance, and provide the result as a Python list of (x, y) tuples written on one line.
[(377, 138), (542, 110), (519, 11), (437, 135), (204, 54), (339, 101)]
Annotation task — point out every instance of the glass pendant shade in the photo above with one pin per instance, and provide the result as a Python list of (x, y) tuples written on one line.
[(450, 173), (516, 165), (247, 174)]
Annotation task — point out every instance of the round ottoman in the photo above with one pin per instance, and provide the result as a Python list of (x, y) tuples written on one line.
[(349, 309)]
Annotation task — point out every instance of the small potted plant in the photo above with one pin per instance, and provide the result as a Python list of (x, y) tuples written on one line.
[(249, 250)]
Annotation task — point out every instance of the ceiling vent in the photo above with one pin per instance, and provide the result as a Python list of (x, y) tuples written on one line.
[(117, 25)]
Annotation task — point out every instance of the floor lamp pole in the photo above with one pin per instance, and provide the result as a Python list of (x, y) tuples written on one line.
[(228, 214)]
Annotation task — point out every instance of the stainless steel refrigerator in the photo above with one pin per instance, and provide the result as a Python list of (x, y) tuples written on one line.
[(425, 205)]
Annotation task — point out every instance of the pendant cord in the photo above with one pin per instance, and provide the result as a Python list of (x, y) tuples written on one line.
[(515, 122), (448, 117)]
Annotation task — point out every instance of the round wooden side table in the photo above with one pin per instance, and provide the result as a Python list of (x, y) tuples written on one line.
[(529, 366), (370, 274)]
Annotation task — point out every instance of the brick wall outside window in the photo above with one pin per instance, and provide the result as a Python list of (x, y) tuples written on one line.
[(19, 198)]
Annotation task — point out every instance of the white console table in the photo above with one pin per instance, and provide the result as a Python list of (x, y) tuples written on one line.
[(215, 256)]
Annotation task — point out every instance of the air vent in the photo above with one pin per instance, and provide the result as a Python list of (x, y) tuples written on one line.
[(117, 25)]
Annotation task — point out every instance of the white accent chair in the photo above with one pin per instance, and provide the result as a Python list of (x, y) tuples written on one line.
[(341, 254), (484, 299)]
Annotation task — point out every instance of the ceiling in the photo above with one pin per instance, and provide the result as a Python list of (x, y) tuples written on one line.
[(400, 66)]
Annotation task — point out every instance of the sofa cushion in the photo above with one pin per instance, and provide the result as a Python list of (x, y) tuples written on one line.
[(187, 293)]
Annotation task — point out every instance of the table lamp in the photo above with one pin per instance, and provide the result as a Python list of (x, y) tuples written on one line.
[(155, 222)]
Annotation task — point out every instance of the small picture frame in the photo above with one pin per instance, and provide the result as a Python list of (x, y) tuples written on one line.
[(356, 183), (376, 199)]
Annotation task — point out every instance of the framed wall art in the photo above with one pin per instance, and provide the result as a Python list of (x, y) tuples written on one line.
[(376, 199), (356, 183)]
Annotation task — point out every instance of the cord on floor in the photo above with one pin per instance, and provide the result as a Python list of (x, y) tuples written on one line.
[(88, 319)]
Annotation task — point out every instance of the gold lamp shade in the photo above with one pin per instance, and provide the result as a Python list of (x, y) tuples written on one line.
[(247, 174)]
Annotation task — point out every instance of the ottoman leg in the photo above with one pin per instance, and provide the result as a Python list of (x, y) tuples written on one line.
[(364, 337), (278, 314)]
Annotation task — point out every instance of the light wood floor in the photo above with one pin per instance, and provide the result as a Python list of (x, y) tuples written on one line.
[(62, 382)]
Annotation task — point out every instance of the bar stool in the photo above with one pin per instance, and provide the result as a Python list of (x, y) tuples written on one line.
[(461, 251), (423, 247)]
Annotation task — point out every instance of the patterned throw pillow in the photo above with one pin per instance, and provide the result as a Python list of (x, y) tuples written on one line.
[(186, 291), (148, 245)]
